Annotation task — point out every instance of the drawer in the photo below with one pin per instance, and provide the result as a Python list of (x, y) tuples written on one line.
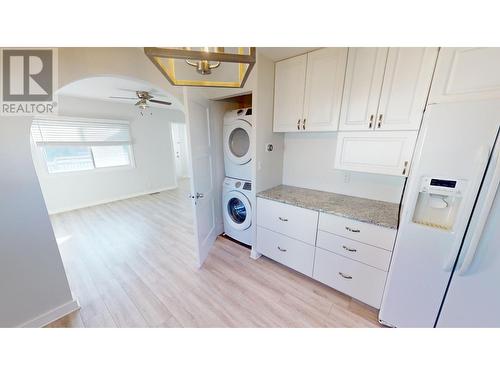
[(353, 278), (289, 220), (286, 250), (371, 255), (363, 232)]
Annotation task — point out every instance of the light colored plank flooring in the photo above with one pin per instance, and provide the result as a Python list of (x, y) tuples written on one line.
[(132, 263)]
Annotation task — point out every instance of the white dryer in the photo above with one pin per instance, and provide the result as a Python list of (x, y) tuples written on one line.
[(237, 209), (237, 142)]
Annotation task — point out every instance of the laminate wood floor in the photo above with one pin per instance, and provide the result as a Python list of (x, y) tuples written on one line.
[(132, 263)]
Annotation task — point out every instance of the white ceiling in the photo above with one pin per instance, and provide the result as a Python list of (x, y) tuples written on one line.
[(280, 53), (102, 88)]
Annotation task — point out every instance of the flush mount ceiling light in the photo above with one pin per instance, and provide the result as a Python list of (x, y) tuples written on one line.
[(214, 67)]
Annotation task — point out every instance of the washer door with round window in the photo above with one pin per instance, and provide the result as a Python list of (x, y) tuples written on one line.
[(238, 210), (237, 141)]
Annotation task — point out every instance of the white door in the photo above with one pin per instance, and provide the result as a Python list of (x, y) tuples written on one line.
[(407, 78), (202, 151), (363, 82), (289, 85), (464, 74), (323, 92), (180, 149), (375, 152), (472, 297)]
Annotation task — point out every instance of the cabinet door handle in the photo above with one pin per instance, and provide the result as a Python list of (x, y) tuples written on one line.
[(404, 168), (304, 124), (345, 276), (349, 249), (298, 124), (281, 249), (282, 218), (371, 121), (379, 124), (352, 230)]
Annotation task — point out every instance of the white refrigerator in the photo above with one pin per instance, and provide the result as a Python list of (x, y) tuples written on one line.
[(445, 269)]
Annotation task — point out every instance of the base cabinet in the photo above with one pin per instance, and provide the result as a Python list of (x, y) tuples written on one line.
[(356, 279), (285, 250), (348, 255)]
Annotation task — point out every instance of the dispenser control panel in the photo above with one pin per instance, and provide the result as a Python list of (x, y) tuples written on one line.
[(442, 186)]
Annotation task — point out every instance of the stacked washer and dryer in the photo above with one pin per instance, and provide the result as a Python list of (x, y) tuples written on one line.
[(237, 191)]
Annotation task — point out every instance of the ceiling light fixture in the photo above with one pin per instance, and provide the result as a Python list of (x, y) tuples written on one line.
[(204, 60)]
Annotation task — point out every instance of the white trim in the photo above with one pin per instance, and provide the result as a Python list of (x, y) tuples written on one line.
[(104, 201), (52, 315)]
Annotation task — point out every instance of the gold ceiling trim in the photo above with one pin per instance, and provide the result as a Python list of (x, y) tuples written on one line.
[(244, 61)]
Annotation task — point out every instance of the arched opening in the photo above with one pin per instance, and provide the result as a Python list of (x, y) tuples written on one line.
[(116, 199)]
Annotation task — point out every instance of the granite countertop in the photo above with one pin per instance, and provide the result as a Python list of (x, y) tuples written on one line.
[(380, 213)]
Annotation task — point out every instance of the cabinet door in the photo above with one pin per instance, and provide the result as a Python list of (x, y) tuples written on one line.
[(466, 74), (407, 78), (290, 78), (387, 152), (324, 85), (363, 82)]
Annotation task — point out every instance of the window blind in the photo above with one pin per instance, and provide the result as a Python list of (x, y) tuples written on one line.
[(80, 131)]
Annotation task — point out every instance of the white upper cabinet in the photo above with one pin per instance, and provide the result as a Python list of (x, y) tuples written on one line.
[(383, 152), (324, 85), (363, 82), (308, 91), (407, 78), (386, 89), (290, 77), (466, 74)]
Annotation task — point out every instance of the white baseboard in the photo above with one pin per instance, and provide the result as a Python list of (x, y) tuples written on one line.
[(104, 201), (52, 315)]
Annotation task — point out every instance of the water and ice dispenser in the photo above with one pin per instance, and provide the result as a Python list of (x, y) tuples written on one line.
[(438, 202)]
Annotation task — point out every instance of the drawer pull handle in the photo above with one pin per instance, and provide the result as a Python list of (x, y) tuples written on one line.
[(352, 230), (349, 248), (282, 218), (281, 249), (379, 121), (345, 276)]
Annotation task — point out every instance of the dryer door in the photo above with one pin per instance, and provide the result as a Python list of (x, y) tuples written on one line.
[(237, 141), (237, 210)]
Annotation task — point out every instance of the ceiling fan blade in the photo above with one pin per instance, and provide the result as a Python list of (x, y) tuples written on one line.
[(121, 97), (159, 102)]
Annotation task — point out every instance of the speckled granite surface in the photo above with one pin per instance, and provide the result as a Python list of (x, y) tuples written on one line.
[(370, 211)]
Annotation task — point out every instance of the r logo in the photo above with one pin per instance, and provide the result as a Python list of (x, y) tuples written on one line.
[(27, 75)]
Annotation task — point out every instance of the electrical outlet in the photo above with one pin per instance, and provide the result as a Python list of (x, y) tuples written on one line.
[(347, 177)]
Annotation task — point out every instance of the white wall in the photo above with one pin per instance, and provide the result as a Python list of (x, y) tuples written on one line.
[(32, 277), (308, 163), (154, 168), (269, 165)]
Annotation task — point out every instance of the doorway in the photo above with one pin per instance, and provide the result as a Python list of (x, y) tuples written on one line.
[(180, 148)]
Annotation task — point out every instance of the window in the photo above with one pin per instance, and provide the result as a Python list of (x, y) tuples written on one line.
[(70, 144)]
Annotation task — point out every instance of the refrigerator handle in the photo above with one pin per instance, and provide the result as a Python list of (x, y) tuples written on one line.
[(483, 217), (481, 167)]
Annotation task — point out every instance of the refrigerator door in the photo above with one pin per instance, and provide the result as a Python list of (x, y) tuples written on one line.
[(454, 145), (473, 297)]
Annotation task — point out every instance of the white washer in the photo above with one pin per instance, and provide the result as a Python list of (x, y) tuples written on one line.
[(237, 141), (237, 209)]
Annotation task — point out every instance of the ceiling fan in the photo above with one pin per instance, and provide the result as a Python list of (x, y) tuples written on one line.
[(145, 98)]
